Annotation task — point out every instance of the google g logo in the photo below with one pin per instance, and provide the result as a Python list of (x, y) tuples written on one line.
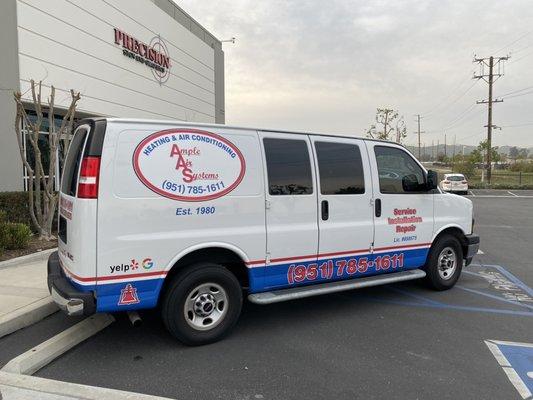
[(147, 263)]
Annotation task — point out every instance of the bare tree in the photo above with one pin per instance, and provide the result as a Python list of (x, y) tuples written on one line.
[(388, 126), (401, 130), (41, 189)]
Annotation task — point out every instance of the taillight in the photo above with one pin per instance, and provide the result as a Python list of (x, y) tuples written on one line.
[(464, 182), (446, 182), (88, 181)]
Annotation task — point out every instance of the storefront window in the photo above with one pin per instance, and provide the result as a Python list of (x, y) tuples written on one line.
[(43, 146)]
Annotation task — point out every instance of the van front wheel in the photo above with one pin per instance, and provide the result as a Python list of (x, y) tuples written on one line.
[(444, 264), (202, 304)]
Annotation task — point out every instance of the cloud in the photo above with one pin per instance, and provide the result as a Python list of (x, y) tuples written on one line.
[(327, 65)]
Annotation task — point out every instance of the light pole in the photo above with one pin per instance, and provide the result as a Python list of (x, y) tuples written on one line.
[(231, 40)]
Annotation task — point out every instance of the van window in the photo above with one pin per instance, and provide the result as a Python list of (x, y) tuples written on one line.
[(69, 181), (393, 166), (288, 167), (340, 167)]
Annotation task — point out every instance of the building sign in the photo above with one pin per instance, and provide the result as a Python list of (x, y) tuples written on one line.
[(154, 55)]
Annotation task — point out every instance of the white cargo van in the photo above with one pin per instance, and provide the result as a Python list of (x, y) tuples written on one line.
[(191, 217)]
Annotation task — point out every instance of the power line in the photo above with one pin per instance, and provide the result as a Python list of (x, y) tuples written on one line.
[(513, 42), (518, 95), (471, 136), (516, 91), (460, 116), (521, 58), (522, 49), (451, 103), (518, 125)]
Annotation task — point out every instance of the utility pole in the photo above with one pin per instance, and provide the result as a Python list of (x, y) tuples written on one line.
[(453, 154), (418, 117), (490, 63), (445, 152), (432, 150)]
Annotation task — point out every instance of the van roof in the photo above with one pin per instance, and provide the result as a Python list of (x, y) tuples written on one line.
[(207, 125)]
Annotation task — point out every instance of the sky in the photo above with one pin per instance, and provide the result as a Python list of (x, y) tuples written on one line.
[(325, 66)]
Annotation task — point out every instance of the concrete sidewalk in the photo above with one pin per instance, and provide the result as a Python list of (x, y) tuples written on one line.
[(24, 297), (21, 387)]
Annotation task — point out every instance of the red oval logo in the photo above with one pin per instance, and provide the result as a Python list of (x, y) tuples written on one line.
[(188, 164)]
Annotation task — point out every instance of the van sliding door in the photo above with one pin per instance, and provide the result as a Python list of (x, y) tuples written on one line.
[(291, 210)]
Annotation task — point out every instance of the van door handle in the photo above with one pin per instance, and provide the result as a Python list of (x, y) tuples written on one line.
[(325, 210), (378, 207)]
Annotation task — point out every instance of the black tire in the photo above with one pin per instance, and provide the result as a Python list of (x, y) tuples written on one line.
[(174, 303), (436, 280)]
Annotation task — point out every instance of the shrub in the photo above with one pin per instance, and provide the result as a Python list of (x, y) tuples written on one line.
[(522, 166), (16, 208), (466, 168), (14, 236), (508, 186)]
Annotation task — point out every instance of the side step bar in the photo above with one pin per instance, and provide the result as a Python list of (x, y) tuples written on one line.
[(332, 287)]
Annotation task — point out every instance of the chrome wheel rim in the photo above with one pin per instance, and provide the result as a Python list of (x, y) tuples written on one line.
[(206, 306), (447, 263)]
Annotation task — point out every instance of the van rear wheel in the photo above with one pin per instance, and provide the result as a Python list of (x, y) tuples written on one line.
[(202, 304), (444, 264)]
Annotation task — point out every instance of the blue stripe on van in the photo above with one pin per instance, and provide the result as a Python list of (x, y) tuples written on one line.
[(270, 277), (262, 278)]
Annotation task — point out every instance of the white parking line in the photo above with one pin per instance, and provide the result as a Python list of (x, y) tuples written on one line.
[(504, 197), (512, 193)]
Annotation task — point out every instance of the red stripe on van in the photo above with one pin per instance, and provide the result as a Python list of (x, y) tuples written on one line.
[(108, 278), (340, 253)]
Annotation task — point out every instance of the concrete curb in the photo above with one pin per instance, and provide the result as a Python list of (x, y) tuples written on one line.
[(26, 316), (50, 387), (37, 256), (34, 359)]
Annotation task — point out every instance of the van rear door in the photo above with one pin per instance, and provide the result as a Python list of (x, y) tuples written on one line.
[(78, 208)]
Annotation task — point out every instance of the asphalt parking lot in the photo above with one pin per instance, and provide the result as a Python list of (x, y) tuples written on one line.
[(400, 341)]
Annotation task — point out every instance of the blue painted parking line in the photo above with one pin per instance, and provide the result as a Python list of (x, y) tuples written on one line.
[(513, 294), (494, 297), (454, 307), (516, 359)]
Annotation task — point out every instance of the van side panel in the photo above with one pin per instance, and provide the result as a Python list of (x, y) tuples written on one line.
[(142, 231)]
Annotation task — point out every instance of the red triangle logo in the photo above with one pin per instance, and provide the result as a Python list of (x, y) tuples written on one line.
[(128, 295)]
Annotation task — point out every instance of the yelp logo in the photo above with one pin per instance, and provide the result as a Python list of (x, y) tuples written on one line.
[(147, 263)]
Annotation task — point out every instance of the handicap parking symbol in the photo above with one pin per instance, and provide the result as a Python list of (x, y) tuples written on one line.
[(516, 359)]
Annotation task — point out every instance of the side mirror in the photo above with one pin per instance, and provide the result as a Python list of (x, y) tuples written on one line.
[(432, 180), (410, 183)]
